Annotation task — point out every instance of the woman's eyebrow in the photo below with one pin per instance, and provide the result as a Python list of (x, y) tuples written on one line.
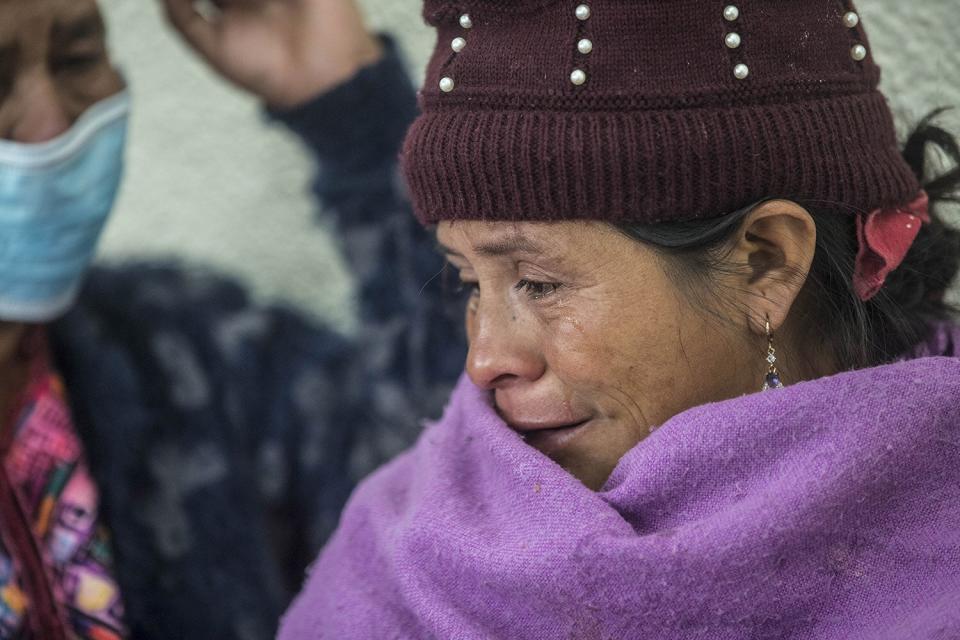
[(87, 25), (444, 249), (506, 246)]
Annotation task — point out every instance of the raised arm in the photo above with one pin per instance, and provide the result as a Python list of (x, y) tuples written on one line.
[(346, 93)]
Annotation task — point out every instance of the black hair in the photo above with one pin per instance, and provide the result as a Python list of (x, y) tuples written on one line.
[(857, 334)]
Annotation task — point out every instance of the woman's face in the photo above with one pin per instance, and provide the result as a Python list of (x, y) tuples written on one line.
[(585, 342)]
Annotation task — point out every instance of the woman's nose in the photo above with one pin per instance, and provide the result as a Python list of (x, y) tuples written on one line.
[(503, 351), (39, 115)]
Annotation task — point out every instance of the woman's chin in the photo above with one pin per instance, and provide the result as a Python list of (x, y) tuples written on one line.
[(592, 473), (591, 452)]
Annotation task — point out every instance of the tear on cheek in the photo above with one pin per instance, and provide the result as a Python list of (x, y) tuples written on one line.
[(573, 324)]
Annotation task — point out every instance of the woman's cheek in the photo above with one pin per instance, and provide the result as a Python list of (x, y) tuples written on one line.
[(575, 350), (606, 342)]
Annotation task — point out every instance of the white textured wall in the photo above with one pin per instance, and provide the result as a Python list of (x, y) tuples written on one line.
[(208, 181)]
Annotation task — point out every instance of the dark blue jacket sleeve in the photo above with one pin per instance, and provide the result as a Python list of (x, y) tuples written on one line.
[(411, 333)]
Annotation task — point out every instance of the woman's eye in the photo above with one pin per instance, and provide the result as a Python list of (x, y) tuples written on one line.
[(473, 288), (77, 62), (538, 290)]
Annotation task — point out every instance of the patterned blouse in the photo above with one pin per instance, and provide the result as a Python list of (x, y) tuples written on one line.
[(55, 561)]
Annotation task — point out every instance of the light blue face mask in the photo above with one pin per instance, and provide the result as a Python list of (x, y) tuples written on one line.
[(55, 198)]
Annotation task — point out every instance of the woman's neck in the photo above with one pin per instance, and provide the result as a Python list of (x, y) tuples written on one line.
[(12, 368), (804, 357)]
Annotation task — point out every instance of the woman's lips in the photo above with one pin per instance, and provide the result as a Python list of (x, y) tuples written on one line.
[(552, 438), (541, 425)]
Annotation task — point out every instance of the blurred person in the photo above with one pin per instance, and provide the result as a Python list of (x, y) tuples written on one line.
[(172, 455), (712, 381)]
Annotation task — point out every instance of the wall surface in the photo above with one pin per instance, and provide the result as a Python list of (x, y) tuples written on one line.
[(210, 182)]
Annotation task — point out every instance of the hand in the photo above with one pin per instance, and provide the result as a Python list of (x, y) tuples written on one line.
[(283, 51)]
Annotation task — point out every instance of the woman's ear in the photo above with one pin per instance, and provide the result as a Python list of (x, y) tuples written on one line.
[(776, 243)]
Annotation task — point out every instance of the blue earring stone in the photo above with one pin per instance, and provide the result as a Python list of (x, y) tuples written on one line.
[(772, 381)]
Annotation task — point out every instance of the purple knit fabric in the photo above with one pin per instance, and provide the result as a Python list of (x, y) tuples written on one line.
[(826, 510)]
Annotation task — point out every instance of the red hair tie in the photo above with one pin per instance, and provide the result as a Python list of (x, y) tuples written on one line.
[(885, 237)]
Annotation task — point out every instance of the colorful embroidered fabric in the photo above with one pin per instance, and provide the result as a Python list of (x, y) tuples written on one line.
[(45, 467)]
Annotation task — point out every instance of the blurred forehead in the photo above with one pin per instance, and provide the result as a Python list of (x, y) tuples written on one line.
[(18, 18)]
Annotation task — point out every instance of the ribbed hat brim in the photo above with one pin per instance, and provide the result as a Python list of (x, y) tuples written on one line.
[(654, 165)]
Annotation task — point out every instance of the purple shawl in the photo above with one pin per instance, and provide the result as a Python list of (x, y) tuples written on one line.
[(829, 509)]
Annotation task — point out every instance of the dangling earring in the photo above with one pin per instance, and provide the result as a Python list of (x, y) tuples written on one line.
[(772, 380)]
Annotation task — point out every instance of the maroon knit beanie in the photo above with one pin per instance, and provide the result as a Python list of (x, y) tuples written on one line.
[(649, 110)]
